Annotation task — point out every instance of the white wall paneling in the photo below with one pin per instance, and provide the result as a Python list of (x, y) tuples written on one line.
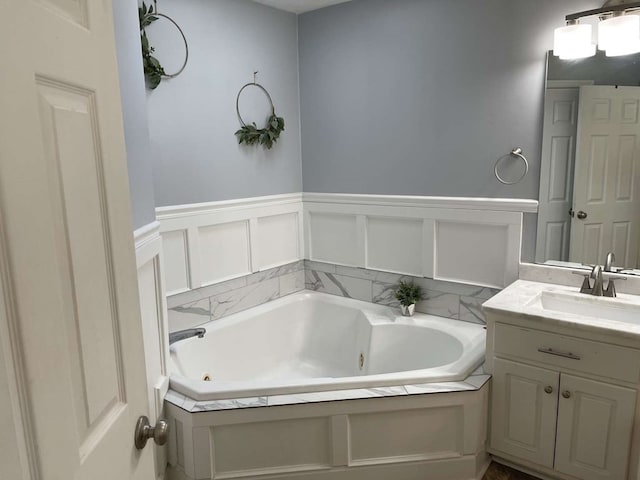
[(224, 251), (467, 240), (153, 308), (434, 436), (174, 245), (211, 242)]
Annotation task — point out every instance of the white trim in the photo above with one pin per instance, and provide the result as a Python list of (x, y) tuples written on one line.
[(146, 233), (177, 211), (465, 203), (155, 328), (147, 242)]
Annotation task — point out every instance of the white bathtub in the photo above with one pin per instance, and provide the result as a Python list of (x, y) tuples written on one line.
[(310, 342)]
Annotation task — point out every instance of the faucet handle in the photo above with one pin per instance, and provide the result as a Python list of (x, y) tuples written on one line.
[(610, 291), (586, 285)]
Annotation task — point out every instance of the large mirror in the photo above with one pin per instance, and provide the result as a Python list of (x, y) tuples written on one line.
[(590, 169)]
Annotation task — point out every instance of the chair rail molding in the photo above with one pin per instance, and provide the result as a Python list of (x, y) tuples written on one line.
[(463, 203)]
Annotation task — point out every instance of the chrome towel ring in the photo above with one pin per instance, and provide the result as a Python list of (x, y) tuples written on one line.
[(516, 152)]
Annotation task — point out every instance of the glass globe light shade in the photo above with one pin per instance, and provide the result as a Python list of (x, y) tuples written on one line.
[(619, 35), (573, 41)]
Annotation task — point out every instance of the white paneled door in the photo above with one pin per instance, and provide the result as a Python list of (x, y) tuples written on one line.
[(73, 344), (607, 176), (556, 177)]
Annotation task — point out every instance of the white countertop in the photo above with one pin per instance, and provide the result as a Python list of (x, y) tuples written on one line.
[(521, 299)]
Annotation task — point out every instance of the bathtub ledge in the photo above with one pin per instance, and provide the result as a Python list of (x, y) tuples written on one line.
[(473, 382)]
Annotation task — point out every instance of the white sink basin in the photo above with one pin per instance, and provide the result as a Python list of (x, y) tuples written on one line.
[(616, 309)]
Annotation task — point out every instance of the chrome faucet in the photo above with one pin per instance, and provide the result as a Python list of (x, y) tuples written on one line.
[(598, 273), (184, 334)]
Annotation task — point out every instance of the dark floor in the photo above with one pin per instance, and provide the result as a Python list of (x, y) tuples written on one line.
[(500, 472)]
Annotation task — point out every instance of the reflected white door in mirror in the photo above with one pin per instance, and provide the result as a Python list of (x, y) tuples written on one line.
[(607, 175), (599, 210), (590, 166)]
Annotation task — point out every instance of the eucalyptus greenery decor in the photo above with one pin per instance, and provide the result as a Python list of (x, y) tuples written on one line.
[(252, 135), (153, 71), (408, 293)]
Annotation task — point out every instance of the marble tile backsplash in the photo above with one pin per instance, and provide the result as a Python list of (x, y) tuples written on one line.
[(445, 299), (195, 307)]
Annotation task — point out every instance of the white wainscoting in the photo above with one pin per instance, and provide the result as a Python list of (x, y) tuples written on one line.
[(208, 243), (467, 240), (405, 437), (153, 309)]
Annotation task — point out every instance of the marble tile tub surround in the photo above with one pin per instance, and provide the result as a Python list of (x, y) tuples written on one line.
[(444, 299), (474, 381), (195, 307)]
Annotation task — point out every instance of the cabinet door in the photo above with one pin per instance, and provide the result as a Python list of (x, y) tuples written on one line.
[(524, 408), (594, 429)]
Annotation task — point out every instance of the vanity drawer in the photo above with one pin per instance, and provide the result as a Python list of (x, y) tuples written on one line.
[(596, 358)]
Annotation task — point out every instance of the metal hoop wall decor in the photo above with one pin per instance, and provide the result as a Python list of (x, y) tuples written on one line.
[(253, 84), (516, 152), (250, 134), (186, 46), (154, 72)]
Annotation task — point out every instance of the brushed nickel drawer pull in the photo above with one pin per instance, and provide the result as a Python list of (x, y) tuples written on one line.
[(558, 353)]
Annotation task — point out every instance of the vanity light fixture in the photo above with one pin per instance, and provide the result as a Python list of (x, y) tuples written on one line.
[(618, 32), (573, 41)]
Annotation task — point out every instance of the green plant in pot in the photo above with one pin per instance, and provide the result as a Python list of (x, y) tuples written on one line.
[(408, 294)]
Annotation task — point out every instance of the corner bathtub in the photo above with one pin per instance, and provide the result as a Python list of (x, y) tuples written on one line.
[(309, 342)]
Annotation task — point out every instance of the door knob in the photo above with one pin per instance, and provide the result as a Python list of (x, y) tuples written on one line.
[(566, 394), (548, 389), (144, 431), (581, 215)]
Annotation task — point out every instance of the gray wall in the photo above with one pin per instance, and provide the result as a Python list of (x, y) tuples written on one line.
[(134, 111), (192, 118), (422, 96)]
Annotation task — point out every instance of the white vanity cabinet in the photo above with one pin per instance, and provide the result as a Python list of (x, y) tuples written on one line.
[(562, 405)]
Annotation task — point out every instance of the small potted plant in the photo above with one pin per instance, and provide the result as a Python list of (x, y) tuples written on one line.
[(408, 293)]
